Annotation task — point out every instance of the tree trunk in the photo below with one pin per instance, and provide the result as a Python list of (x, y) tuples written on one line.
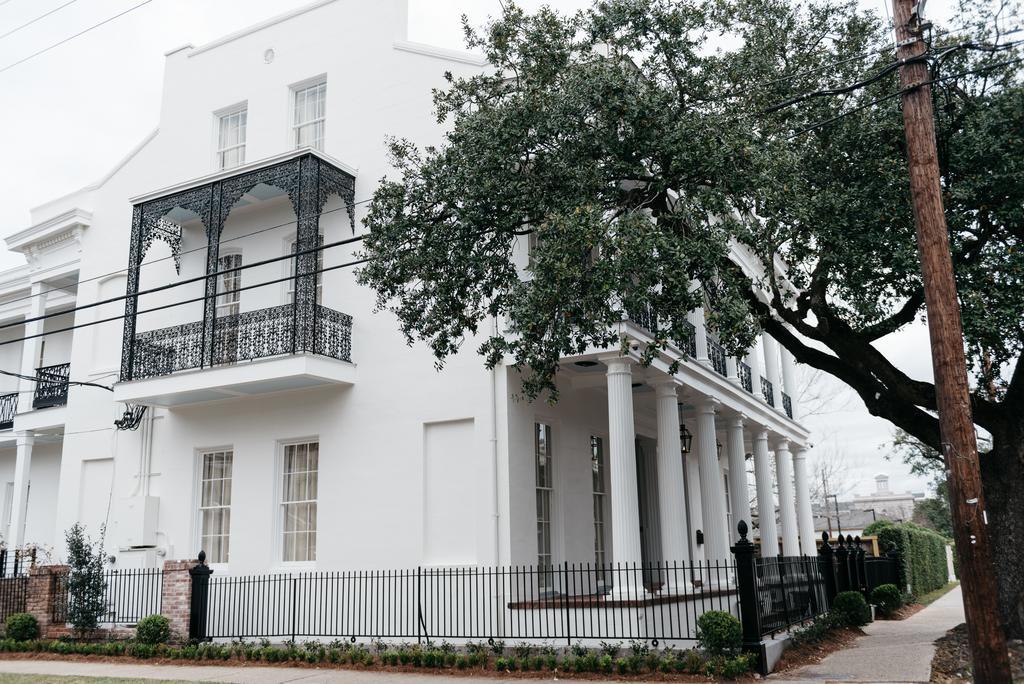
[(1002, 475)]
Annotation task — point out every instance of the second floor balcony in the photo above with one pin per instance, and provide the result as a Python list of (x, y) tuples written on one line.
[(226, 343)]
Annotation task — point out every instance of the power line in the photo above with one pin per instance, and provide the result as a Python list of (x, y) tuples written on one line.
[(180, 254), (40, 17), (72, 37)]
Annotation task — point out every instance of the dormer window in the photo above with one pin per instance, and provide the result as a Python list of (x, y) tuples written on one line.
[(231, 137), (310, 114)]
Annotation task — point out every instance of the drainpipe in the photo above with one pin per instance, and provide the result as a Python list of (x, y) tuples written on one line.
[(495, 514)]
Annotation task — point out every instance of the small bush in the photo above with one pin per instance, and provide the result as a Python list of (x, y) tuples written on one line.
[(719, 633), (22, 627), (887, 597), (851, 610), (153, 629)]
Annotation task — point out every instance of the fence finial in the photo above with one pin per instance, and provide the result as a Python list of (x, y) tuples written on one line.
[(202, 557), (824, 536), (741, 527)]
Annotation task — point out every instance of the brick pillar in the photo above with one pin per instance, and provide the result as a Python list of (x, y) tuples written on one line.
[(41, 597), (176, 596)]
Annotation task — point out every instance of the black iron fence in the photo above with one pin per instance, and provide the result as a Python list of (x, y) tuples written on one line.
[(716, 354), (8, 409), (768, 391), (128, 596), (17, 562), (13, 596), (570, 602), (743, 371), (51, 386), (790, 591)]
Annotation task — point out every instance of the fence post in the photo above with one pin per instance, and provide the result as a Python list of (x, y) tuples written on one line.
[(862, 566), (746, 585), (565, 601), (199, 604), (842, 559), (827, 563)]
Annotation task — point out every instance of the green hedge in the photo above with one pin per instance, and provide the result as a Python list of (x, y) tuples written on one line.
[(922, 556)]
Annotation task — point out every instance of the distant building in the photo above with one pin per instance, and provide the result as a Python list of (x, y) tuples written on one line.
[(855, 515)]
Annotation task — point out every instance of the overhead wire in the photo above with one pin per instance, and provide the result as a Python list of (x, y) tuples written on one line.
[(39, 18)]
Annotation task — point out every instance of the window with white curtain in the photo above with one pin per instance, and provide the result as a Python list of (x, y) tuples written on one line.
[(231, 138), (309, 116), (545, 485), (215, 505), (298, 501), (228, 289)]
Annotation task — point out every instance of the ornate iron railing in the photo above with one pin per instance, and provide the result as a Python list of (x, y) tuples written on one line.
[(790, 591), (716, 354), (768, 391), (647, 318), (51, 386), (787, 404), (689, 343), (8, 408), (245, 336), (746, 380)]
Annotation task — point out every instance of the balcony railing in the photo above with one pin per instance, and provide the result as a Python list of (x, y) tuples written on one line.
[(243, 337), (51, 386), (746, 380), (647, 319), (8, 407), (768, 391), (787, 404), (716, 354)]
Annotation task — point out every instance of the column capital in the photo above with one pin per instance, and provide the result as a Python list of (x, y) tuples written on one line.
[(27, 438), (665, 387), (707, 405), (782, 444), (800, 453), (760, 433), (737, 420), (618, 365)]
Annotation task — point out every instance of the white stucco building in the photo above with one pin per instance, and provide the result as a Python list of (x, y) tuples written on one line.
[(290, 427)]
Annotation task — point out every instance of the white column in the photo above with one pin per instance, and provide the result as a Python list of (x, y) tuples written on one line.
[(701, 332), (19, 508), (771, 368), (787, 508), (765, 498), (754, 361), (694, 516), (622, 463), (712, 489), (730, 369), (739, 496), (671, 485), (804, 517), (30, 348)]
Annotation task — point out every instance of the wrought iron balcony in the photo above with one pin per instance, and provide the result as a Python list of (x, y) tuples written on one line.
[(716, 354), (768, 392), (746, 380), (8, 407), (51, 386), (787, 404), (243, 337), (647, 318)]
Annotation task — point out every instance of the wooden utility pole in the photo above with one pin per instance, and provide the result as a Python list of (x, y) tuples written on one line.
[(956, 424)]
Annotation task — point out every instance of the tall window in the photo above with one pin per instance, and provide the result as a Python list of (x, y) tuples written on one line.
[(228, 294), (231, 138), (298, 501), (319, 271), (597, 476), (309, 116), (542, 451), (215, 505)]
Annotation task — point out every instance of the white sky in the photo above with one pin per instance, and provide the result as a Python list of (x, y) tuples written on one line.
[(69, 115)]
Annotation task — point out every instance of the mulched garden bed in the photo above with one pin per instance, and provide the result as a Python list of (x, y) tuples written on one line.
[(448, 672), (952, 660), (797, 656), (903, 613)]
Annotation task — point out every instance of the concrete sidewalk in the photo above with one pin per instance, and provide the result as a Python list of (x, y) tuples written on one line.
[(892, 651), (219, 673)]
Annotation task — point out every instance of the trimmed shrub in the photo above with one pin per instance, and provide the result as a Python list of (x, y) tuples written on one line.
[(922, 556), (22, 627), (153, 629), (887, 597), (874, 528), (851, 610), (719, 633)]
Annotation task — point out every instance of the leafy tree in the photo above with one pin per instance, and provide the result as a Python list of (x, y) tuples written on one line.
[(642, 160), (933, 512), (85, 581)]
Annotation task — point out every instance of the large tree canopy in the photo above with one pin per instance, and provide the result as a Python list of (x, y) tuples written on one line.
[(643, 141)]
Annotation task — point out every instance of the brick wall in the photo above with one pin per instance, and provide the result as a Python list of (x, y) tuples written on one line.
[(42, 592)]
